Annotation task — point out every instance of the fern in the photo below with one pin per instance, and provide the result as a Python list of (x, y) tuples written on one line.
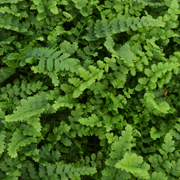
[(89, 89), (117, 25), (167, 147), (132, 163), (28, 108), (117, 152), (17, 141), (163, 107), (52, 60), (157, 71), (64, 170)]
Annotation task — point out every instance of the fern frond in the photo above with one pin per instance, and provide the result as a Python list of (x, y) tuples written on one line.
[(151, 104), (28, 108), (168, 145), (133, 164), (64, 101), (158, 175), (18, 140), (91, 121), (105, 28), (51, 60), (64, 170), (118, 150), (13, 10), (163, 72)]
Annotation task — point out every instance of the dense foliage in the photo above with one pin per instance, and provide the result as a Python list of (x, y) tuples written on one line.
[(89, 89)]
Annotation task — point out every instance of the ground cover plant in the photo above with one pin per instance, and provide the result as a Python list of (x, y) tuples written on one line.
[(89, 89)]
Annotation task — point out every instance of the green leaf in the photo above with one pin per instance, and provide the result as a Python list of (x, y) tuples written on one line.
[(154, 68), (167, 77), (101, 64), (36, 2), (176, 168), (105, 27), (158, 176), (54, 77), (41, 65), (154, 133), (84, 73), (35, 123), (127, 55), (18, 140), (57, 65), (83, 86), (77, 92), (109, 43), (54, 10), (139, 87), (98, 31), (2, 143), (168, 145), (132, 71), (64, 101), (163, 107), (143, 80), (154, 79), (49, 64), (75, 81), (148, 72), (133, 164), (66, 141), (174, 7), (160, 83), (91, 121), (34, 105)]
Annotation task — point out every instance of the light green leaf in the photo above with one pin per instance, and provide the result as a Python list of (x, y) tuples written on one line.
[(143, 80), (168, 145), (18, 140), (139, 87), (154, 79), (126, 53), (41, 65), (148, 72), (77, 93), (133, 164), (91, 121), (154, 133), (36, 2), (54, 10), (158, 176), (57, 65), (154, 68), (49, 64)]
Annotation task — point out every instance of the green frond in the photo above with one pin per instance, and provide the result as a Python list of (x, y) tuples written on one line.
[(64, 170), (18, 140), (134, 164), (91, 121), (167, 146), (158, 176), (32, 106), (64, 101)]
